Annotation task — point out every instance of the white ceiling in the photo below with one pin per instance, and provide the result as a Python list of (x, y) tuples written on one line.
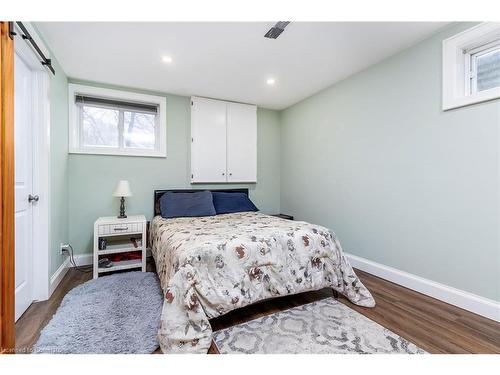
[(230, 61)]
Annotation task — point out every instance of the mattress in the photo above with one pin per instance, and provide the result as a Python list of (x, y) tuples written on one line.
[(209, 266)]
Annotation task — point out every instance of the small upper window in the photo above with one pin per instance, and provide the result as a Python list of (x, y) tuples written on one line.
[(113, 122), (484, 67), (471, 66)]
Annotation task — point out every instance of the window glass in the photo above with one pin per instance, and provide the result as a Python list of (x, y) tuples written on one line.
[(139, 130), (488, 70), (100, 127)]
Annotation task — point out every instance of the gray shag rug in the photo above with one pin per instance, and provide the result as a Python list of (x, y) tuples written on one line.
[(321, 327), (119, 313)]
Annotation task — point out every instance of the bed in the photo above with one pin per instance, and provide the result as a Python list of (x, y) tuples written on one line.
[(209, 266)]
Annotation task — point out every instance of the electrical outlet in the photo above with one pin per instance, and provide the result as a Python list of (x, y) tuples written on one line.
[(64, 249)]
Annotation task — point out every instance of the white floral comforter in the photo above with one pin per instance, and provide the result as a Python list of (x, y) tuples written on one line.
[(209, 266)]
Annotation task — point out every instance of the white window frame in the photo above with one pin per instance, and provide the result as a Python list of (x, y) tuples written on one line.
[(75, 145), (457, 51), (471, 64)]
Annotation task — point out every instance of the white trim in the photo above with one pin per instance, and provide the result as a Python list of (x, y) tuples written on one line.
[(84, 259), (118, 152), (41, 170), (465, 300), (41, 185), (74, 139), (455, 93), (57, 277), (87, 259)]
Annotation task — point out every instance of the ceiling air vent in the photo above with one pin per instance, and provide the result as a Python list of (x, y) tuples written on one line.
[(275, 31)]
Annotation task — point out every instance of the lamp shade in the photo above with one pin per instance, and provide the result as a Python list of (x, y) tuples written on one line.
[(122, 189)]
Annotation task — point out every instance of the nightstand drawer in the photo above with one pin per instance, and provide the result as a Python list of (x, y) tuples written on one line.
[(109, 229)]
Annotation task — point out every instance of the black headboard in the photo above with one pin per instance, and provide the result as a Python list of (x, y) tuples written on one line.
[(159, 193)]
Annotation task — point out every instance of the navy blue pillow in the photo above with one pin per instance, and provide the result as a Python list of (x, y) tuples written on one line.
[(186, 204), (226, 203)]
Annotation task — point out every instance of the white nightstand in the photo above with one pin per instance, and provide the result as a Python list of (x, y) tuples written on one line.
[(120, 235)]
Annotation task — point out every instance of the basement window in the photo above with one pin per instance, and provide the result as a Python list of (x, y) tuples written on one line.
[(113, 122), (483, 66), (471, 66)]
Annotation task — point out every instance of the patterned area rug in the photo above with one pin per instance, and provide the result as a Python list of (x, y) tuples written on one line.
[(321, 327)]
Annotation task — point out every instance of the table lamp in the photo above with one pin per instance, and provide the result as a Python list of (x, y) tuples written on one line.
[(122, 190)]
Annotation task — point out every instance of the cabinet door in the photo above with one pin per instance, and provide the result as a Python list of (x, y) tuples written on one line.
[(208, 144), (241, 143)]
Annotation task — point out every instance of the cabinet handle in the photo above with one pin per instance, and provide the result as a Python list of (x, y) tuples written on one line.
[(230, 174), (223, 174), (125, 228)]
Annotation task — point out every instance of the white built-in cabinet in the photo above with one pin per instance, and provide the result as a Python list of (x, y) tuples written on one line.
[(223, 141)]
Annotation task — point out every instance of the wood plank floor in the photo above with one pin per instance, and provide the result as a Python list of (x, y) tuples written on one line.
[(431, 324)]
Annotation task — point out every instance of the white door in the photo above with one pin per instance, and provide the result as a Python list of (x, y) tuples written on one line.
[(208, 147), (241, 142), (23, 186)]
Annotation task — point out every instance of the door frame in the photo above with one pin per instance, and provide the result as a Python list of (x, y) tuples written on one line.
[(41, 170), (7, 270)]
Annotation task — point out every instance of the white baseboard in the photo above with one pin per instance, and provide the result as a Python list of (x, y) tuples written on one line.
[(88, 259), (56, 278), (80, 260), (84, 259), (460, 298), (465, 300)]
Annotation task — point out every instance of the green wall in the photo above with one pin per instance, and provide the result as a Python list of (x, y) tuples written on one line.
[(92, 178), (373, 157), (58, 164), (400, 181)]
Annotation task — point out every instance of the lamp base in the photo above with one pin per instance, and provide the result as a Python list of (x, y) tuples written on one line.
[(122, 209)]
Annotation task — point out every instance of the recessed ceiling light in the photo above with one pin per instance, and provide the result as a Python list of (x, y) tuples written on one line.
[(271, 81), (166, 59)]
